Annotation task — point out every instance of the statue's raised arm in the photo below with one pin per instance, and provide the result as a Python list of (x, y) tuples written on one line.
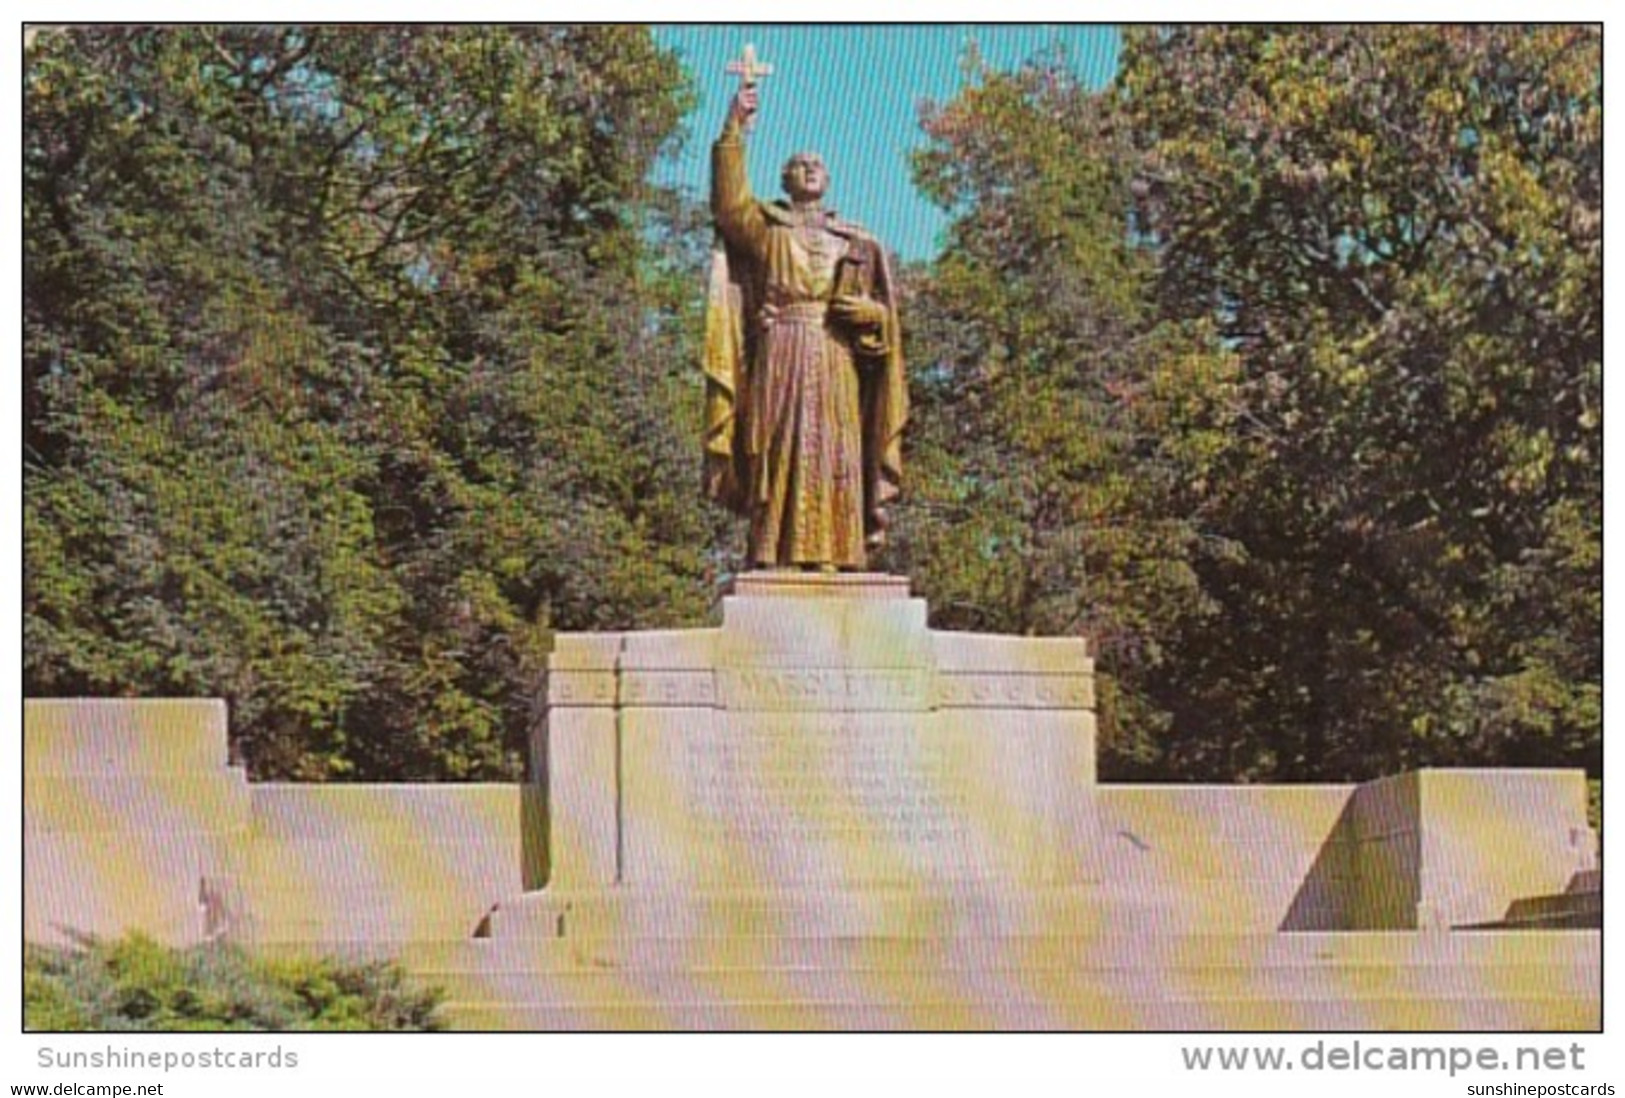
[(738, 216)]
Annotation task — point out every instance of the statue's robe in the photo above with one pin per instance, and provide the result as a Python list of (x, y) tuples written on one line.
[(804, 414)]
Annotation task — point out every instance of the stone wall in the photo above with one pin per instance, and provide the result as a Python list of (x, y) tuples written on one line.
[(1429, 849), (1441, 848), (1228, 857), (369, 863), (135, 821), (130, 817)]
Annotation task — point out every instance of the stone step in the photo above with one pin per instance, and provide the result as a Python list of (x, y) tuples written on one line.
[(1509, 980), (1578, 907), (1558, 904), (1505, 949), (1436, 1012), (448, 951), (1568, 920), (970, 910), (1107, 953), (1587, 880), (1011, 985), (286, 933), (1490, 972)]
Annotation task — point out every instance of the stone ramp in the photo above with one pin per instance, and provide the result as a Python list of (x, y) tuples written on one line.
[(1515, 981), (1577, 907)]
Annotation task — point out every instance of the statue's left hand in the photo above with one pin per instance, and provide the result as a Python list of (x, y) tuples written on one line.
[(859, 312)]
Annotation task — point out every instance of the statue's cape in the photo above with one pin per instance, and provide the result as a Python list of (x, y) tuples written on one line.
[(725, 359), (735, 280)]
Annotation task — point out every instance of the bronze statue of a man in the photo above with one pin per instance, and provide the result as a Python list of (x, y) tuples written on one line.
[(806, 398)]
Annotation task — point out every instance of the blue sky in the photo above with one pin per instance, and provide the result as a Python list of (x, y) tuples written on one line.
[(853, 94)]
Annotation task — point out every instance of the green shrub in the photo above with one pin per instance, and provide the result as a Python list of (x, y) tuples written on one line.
[(134, 983)]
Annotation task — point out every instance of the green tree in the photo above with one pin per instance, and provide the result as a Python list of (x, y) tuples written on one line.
[(1044, 475), (1397, 230), (352, 369)]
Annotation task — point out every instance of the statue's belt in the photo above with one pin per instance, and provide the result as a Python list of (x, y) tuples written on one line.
[(800, 312)]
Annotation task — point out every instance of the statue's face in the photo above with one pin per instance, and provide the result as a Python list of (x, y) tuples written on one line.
[(805, 177)]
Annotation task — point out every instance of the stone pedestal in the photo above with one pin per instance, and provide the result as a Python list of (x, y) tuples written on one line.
[(823, 755)]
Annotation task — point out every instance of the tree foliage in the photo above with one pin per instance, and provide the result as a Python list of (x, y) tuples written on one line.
[(356, 362), (1275, 368), (1042, 500), (133, 983), (1397, 231), (352, 370)]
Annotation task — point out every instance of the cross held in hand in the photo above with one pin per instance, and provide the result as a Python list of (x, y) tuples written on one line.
[(748, 69)]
